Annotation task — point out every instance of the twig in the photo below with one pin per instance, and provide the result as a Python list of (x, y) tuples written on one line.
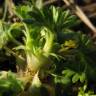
[(81, 15), (13, 53), (11, 7), (89, 8), (92, 15), (49, 2)]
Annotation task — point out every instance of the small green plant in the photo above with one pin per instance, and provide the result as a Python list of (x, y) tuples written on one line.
[(43, 46)]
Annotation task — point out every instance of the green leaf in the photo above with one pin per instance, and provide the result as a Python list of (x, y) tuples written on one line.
[(39, 4), (62, 80), (3, 34), (23, 11), (75, 78), (55, 14), (68, 73), (65, 80), (82, 77), (8, 82)]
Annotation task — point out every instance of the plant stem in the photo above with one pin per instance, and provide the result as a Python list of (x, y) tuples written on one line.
[(5, 10)]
